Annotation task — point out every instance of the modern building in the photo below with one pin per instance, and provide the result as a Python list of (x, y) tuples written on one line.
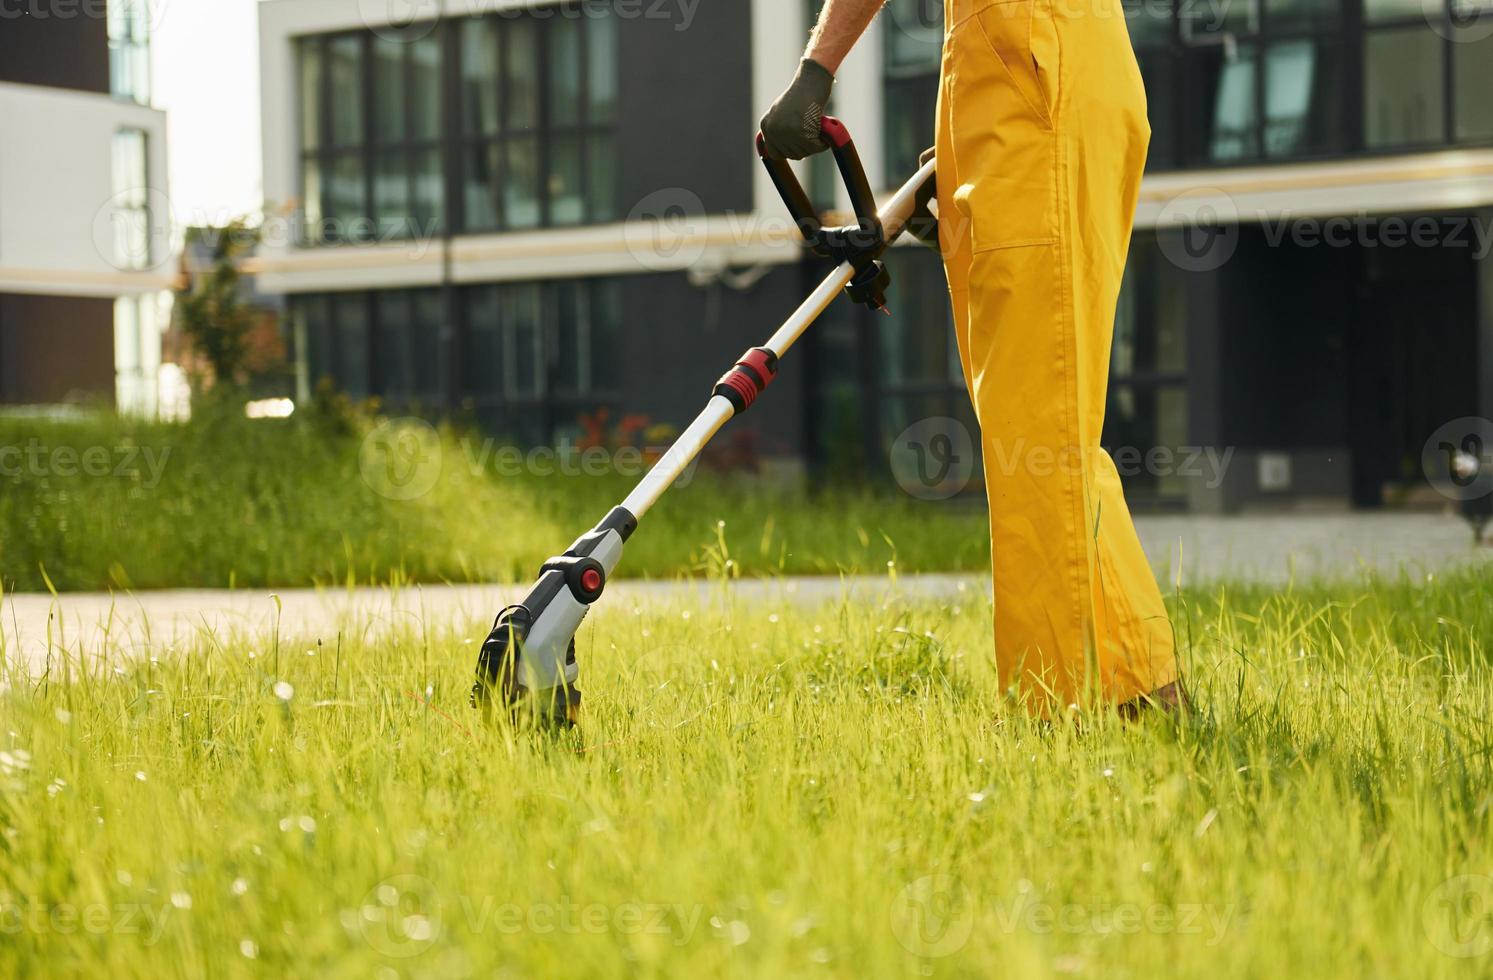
[(84, 220), (521, 212)]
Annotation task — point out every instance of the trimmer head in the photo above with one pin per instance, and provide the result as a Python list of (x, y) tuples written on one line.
[(500, 681), (527, 665)]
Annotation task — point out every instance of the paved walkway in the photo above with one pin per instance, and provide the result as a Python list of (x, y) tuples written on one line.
[(1271, 549)]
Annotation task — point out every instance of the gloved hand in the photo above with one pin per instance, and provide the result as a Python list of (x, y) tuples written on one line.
[(791, 126), (923, 225)]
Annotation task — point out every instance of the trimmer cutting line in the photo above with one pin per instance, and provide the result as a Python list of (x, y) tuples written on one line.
[(528, 662)]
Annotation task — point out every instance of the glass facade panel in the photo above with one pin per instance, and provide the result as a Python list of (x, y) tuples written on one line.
[(1404, 98), (521, 207), (1302, 15), (1303, 98), (602, 74), (479, 76), (565, 67), (565, 188), (388, 89), (1472, 60), (425, 87), (521, 76), (345, 76), (310, 95)]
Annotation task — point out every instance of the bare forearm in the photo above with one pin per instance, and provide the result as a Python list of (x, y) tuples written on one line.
[(841, 24)]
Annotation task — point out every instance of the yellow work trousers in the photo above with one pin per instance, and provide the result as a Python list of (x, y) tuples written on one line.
[(1042, 138)]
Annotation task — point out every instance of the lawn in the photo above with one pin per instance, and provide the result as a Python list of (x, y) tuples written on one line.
[(108, 503), (793, 792)]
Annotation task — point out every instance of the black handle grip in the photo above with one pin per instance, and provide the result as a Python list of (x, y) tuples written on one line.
[(852, 171)]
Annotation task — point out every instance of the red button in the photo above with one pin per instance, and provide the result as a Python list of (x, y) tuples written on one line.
[(590, 580)]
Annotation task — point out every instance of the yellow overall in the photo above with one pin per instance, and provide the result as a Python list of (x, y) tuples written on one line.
[(1042, 138)]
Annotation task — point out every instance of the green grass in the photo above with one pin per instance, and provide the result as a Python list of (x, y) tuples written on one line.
[(791, 792), (226, 502)]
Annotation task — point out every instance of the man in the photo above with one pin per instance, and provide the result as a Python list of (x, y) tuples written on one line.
[(1042, 137)]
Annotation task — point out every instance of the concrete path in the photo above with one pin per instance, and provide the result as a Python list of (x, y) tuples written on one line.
[(1272, 549)]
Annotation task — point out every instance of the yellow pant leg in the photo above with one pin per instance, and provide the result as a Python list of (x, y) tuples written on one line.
[(1042, 140)]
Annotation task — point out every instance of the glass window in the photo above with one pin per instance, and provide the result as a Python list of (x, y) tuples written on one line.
[(565, 191), (1222, 101), (310, 94), (350, 311), (604, 312), (565, 72), (482, 188), (391, 189), (602, 73), (429, 208), (131, 184), (425, 87), (428, 354), (1404, 95), (345, 75), (392, 348), (485, 359), (1302, 15), (129, 49), (1472, 60), (521, 184), (521, 76), (914, 34), (1380, 11), (525, 355), (1150, 22), (1303, 115), (479, 76), (1240, 18), (388, 89)]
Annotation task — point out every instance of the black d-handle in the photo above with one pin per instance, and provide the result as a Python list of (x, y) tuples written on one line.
[(852, 171)]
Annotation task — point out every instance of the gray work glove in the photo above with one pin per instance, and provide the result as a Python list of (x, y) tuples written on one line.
[(791, 126)]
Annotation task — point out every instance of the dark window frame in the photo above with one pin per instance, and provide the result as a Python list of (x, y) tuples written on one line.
[(545, 132)]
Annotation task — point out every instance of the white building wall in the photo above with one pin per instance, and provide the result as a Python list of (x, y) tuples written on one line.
[(57, 208)]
